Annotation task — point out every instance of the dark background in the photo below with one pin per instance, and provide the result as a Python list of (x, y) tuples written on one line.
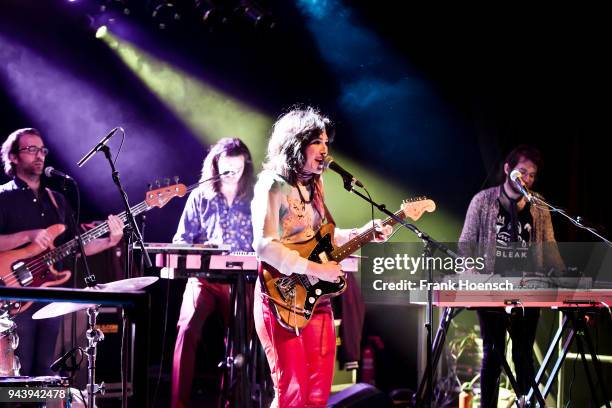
[(485, 80)]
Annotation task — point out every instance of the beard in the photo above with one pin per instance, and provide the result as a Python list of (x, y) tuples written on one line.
[(512, 185), (33, 169)]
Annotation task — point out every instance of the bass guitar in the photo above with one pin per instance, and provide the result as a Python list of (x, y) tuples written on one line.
[(32, 265)]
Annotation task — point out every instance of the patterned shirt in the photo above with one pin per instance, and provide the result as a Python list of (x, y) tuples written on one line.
[(280, 217), (214, 221)]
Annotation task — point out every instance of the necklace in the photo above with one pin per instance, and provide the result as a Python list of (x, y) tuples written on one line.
[(301, 196)]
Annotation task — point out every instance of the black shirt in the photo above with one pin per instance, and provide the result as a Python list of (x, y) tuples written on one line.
[(513, 256), (22, 210)]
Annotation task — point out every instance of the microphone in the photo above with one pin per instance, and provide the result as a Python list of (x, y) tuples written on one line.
[(329, 163), (517, 178), (97, 147), (60, 362), (50, 172)]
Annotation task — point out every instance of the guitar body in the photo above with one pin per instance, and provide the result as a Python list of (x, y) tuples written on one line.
[(19, 267), (293, 298)]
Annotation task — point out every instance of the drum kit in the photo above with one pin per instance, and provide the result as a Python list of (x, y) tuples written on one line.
[(9, 339)]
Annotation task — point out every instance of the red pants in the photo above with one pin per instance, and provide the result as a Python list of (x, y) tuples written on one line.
[(302, 366), (199, 300)]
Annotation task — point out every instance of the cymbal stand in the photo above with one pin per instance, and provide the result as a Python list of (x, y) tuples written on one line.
[(93, 337)]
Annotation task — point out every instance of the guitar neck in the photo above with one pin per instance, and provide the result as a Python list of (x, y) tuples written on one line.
[(69, 247), (360, 240), (155, 197)]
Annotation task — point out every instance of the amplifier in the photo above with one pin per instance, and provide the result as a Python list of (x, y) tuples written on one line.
[(108, 359)]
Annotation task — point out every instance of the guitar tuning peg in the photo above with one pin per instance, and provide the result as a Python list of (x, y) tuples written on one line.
[(158, 183), (167, 181), (149, 186), (176, 179)]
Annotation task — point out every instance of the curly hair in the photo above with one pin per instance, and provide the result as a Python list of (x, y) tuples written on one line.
[(11, 146), (210, 167), (524, 152), (291, 134)]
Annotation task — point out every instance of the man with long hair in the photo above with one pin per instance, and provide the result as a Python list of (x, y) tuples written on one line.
[(218, 212), (289, 207)]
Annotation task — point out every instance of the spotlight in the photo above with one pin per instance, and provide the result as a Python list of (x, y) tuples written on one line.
[(212, 13), (119, 6), (166, 14), (101, 32), (256, 15)]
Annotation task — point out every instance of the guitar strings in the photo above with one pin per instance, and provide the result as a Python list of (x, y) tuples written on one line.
[(41, 264), (359, 238)]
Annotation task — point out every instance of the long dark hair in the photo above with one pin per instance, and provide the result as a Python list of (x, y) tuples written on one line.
[(291, 134), (232, 147)]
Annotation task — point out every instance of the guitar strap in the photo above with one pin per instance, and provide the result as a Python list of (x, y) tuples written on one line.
[(328, 216), (52, 198)]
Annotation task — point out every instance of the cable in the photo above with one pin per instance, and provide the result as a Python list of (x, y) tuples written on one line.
[(569, 397), (372, 208), (124, 353), (120, 145)]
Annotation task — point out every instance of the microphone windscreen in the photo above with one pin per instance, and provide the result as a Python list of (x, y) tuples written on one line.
[(515, 174)]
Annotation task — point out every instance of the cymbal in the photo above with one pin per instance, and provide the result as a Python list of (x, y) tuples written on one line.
[(126, 285)]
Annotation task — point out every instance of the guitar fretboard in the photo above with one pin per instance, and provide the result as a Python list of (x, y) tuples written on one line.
[(98, 231), (360, 240)]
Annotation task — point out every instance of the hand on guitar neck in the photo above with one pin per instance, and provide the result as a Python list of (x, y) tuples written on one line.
[(382, 232)]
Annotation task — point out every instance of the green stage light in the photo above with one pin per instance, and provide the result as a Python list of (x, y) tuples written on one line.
[(101, 32), (212, 114), (208, 112)]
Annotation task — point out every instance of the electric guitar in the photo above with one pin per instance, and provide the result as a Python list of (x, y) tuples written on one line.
[(293, 298), (32, 265)]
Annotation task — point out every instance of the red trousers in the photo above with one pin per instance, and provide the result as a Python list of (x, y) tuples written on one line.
[(200, 299), (302, 366)]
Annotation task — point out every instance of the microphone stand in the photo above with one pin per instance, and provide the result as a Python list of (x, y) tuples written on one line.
[(132, 233), (430, 246), (578, 221), (93, 334)]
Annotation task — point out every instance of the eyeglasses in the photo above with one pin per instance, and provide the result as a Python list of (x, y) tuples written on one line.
[(35, 150)]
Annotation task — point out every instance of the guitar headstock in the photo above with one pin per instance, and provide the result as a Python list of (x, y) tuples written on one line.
[(160, 196), (413, 208)]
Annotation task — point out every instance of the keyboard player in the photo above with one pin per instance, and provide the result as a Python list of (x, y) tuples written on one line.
[(217, 212), (502, 223)]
